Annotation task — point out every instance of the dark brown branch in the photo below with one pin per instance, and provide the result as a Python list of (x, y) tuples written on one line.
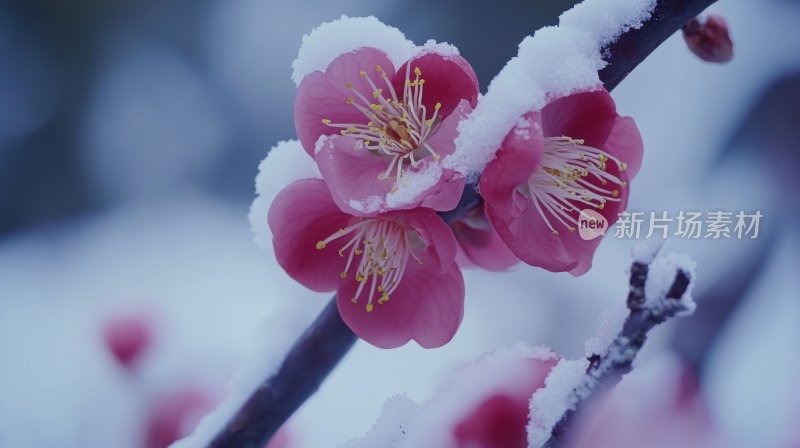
[(634, 46), (308, 363), (328, 339), (606, 370)]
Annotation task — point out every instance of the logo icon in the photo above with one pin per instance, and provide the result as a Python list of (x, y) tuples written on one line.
[(591, 224)]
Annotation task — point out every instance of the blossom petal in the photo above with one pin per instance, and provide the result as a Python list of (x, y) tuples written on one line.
[(588, 115), (516, 160), (302, 214), (438, 237), (324, 95), (448, 80), (482, 247), (625, 143), (528, 236), (354, 175), (427, 307)]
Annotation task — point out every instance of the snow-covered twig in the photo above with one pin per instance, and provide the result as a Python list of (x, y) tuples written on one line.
[(328, 339), (659, 290)]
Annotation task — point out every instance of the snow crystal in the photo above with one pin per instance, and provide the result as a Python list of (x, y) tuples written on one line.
[(554, 61), (369, 204), (611, 321), (645, 251), (442, 48), (413, 183), (331, 39), (392, 426), (661, 276), (549, 403), (285, 163)]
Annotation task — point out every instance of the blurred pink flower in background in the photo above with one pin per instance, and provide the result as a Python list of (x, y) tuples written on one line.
[(127, 337), (663, 409), (384, 125), (406, 256), (501, 417), (576, 153)]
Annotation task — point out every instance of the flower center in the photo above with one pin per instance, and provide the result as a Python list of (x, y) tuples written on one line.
[(398, 125), (383, 249), (570, 178)]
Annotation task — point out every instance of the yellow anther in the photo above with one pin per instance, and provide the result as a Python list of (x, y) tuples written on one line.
[(623, 166), (343, 275), (370, 307), (363, 74), (376, 107), (428, 122), (360, 278), (555, 232), (384, 298), (354, 300), (349, 100), (378, 68), (351, 129), (615, 193), (326, 121), (320, 245), (371, 124), (421, 82), (377, 93), (438, 106), (349, 85), (417, 71)]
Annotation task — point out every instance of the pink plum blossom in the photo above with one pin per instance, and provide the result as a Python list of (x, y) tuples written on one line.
[(499, 420), (575, 154), (479, 244), (377, 131), (394, 274)]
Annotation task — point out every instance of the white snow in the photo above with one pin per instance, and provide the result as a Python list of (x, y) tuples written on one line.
[(329, 40), (413, 183), (285, 163), (392, 426), (549, 403), (646, 250), (369, 204), (661, 276), (443, 48), (555, 61), (611, 321), (404, 423)]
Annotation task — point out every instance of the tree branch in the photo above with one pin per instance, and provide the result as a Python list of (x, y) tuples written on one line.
[(328, 339), (307, 364), (606, 370)]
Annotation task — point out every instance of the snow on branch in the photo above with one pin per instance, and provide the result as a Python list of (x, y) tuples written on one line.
[(660, 288)]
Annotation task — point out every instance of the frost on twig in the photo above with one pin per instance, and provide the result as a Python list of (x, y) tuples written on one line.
[(660, 288)]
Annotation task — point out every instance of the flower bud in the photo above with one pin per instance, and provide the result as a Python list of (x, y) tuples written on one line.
[(708, 38)]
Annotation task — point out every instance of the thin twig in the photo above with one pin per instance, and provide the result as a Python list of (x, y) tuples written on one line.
[(606, 370), (302, 371)]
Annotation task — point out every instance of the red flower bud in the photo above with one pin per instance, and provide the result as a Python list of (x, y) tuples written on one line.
[(709, 39)]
